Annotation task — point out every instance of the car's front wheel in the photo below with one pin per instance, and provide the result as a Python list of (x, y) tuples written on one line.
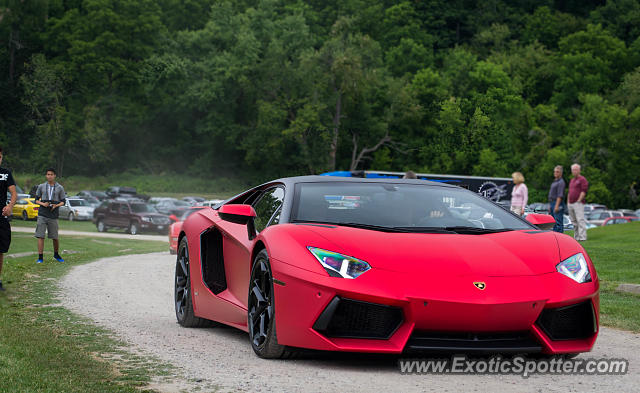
[(133, 228), (261, 311), (182, 291), (101, 227)]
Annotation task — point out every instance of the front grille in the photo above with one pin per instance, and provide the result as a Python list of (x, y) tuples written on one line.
[(568, 323), (502, 342), (347, 318), (160, 220)]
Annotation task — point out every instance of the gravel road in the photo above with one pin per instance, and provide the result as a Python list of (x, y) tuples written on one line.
[(132, 296)]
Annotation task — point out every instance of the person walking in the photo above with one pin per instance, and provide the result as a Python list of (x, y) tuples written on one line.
[(556, 196), (7, 184), (50, 196), (578, 186), (519, 194)]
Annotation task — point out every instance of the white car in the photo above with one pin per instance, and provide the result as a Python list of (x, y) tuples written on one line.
[(598, 216), (76, 209), (212, 202)]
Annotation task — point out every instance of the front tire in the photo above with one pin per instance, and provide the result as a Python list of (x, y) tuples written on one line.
[(133, 228), (182, 291), (261, 316), (101, 227)]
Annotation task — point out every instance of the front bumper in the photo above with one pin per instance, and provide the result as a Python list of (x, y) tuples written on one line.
[(431, 313)]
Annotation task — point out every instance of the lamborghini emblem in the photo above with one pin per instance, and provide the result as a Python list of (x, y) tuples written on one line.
[(480, 285)]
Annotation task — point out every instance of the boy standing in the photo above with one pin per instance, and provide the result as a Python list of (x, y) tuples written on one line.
[(50, 196), (7, 184)]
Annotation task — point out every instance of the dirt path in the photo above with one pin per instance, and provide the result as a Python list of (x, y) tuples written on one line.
[(132, 295)]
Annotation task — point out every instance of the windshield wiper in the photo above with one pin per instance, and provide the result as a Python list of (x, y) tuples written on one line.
[(425, 229), (475, 230), (352, 225)]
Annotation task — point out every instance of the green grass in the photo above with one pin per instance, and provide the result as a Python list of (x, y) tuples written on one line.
[(84, 226), (173, 185), (615, 252), (46, 348)]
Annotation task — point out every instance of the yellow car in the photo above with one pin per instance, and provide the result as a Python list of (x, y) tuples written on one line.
[(26, 208)]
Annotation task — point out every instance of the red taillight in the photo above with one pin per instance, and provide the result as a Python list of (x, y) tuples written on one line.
[(35, 208)]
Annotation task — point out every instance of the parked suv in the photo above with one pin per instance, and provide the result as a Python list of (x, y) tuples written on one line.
[(133, 216)]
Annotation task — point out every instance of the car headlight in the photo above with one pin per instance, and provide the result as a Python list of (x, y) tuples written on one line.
[(146, 219), (339, 265), (576, 268)]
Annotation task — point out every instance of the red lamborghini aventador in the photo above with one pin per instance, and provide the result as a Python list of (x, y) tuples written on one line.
[(383, 265)]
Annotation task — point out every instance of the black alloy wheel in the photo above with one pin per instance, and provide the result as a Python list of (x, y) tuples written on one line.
[(182, 291), (261, 315)]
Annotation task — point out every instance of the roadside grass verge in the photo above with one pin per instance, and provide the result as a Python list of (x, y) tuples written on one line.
[(84, 226), (615, 252), (46, 348)]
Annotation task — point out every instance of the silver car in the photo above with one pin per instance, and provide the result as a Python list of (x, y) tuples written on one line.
[(76, 209)]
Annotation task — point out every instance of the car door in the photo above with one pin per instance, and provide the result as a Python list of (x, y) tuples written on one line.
[(124, 215), (237, 248), (64, 210), (111, 215)]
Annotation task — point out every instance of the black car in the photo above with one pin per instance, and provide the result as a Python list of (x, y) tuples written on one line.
[(100, 195), (133, 216)]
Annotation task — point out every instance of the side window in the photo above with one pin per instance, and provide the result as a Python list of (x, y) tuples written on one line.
[(114, 207), (266, 206), (124, 209)]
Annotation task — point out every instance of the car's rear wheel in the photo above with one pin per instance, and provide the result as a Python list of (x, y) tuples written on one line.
[(25, 216), (71, 216), (261, 311), (101, 227), (133, 228), (182, 292)]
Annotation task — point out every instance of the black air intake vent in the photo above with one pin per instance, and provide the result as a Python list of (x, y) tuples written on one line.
[(347, 318), (568, 323)]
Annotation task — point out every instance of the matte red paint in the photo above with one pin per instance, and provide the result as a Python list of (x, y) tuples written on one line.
[(429, 276)]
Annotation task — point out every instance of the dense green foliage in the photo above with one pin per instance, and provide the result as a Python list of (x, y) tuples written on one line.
[(285, 87)]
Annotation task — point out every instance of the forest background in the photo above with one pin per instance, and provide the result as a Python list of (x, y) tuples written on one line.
[(256, 89)]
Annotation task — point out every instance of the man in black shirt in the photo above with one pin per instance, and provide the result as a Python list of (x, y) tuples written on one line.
[(556, 195), (50, 196), (7, 184)]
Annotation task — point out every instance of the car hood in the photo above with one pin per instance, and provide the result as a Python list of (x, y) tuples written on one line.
[(513, 253)]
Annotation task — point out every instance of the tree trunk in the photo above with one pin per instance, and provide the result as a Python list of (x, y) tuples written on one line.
[(336, 131)]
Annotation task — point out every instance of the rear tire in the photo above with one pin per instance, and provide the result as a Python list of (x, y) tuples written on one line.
[(261, 316), (25, 216), (182, 291)]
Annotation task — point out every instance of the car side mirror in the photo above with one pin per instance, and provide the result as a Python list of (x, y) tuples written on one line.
[(173, 217), (240, 214), (544, 222)]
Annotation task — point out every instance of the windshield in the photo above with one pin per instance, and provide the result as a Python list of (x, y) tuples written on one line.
[(77, 202), (181, 203), (142, 208), (400, 206)]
